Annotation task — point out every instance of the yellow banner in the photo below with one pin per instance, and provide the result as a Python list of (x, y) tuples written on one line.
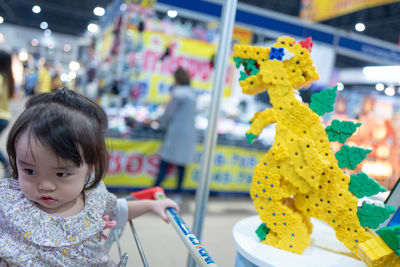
[(143, 3), (106, 42), (134, 164), (242, 35), (319, 10), (155, 77), (193, 55)]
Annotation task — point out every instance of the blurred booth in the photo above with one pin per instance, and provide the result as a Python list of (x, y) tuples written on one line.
[(134, 162)]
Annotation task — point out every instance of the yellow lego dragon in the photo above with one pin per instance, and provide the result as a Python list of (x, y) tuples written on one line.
[(300, 177)]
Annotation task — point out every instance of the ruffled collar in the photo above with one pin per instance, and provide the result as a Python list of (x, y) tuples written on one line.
[(43, 229)]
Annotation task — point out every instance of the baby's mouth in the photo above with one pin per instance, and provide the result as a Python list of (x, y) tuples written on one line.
[(47, 199)]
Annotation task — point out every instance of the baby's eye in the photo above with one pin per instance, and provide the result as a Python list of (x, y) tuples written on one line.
[(62, 174), (30, 171)]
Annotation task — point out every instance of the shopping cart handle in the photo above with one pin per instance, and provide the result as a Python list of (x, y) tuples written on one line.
[(196, 249), (149, 193)]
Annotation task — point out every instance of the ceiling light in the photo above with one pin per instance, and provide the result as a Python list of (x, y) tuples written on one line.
[(122, 7), (92, 27), (172, 13), (1, 19), (72, 75), (74, 66), (47, 32), (64, 77), (34, 42), (340, 86), (379, 87), (360, 27), (67, 48), (99, 11), (390, 91), (386, 74), (36, 9), (23, 55), (44, 25)]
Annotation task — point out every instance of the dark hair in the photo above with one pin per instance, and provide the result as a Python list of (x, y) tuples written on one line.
[(70, 124), (182, 77), (6, 71)]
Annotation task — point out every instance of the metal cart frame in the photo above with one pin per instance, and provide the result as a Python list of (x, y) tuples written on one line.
[(196, 249)]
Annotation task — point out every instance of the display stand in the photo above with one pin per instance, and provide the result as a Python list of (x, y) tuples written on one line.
[(324, 249)]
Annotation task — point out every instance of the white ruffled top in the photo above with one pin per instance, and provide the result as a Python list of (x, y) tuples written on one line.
[(32, 237)]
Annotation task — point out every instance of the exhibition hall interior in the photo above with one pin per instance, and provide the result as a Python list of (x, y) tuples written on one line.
[(274, 125)]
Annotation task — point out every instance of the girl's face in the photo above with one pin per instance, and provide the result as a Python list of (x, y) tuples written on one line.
[(54, 184)]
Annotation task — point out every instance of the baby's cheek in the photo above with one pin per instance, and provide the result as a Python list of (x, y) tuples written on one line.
[(70, 191), (27, 188)]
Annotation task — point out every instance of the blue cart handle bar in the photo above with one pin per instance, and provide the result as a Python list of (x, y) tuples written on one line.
[(196, 249)]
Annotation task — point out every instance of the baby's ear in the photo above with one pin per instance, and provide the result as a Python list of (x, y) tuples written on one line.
[(91, 170), (90, 174)]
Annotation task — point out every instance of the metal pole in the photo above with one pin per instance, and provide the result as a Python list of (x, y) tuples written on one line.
[(202, 193), (138, 244)]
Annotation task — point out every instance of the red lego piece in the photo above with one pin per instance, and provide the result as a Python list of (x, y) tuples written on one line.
[(307, 43)]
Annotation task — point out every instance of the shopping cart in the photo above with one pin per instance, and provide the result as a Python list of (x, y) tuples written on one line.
[(196, 249)]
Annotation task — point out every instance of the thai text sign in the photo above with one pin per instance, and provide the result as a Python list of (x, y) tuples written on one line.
[(134, 164)]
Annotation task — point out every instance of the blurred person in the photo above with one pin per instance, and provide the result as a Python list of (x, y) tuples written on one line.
[(43, 84), (6, 93), (31, 79), (56, 82), (179, 122)]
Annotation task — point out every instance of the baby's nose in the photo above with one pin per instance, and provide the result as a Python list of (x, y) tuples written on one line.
[(45, 185)]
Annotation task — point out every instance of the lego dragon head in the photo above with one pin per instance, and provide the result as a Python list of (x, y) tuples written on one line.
[(286, 63)]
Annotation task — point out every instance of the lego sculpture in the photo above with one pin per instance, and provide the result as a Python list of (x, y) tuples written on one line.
[(300, 177)]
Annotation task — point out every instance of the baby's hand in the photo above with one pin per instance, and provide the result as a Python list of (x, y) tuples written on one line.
[(109, 225), (159, 207)]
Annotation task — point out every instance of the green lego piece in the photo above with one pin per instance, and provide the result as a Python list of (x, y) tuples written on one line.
[(250, 137), (262, 231), (243, 76), (372, 216), (341, 130), (323, 101), (238, 61), (249, 67), (249, 63), (349, 157), (253, 70), (361, 185), (391, 236)]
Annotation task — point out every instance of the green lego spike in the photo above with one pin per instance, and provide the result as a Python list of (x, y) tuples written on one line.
[(243, 76), (361, 185), (253, 70), (323, 101), (250, 137), (238, 61), (249, 67), (249, 63), (262, 231), (372, 216), (341, 130), (391, 236), (349, 157)]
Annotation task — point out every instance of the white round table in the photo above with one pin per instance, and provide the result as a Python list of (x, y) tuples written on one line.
[(324, 249)]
